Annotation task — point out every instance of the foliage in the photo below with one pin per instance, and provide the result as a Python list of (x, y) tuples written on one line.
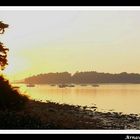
[(3, 56), (84, 77), (3, 50), (10, 98)]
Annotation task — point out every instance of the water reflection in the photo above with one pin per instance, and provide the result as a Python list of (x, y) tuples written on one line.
[(117, 97)]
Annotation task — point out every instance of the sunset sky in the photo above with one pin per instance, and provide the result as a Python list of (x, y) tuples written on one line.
[(71, 40)]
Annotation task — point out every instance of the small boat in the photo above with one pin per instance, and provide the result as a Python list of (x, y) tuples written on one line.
[(62, 86), (95, 85), (71, 85), (52, 85), (30, 85), (83, 85), (16, 87)]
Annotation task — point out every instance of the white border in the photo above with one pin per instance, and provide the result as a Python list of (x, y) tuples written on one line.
[(85, 8), (69, 131), (42, 8)]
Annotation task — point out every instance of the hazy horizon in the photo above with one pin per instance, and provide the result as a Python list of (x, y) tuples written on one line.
[(57, 41)]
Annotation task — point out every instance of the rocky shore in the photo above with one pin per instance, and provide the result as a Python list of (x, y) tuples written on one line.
[(39, 115), (63, 116)]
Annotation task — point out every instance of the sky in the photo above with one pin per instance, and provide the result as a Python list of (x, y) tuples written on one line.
[(71, 40)]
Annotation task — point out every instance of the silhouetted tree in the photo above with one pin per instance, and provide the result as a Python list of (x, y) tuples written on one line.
[(2, 27), (3, 56), (9, 96), (3, 50)]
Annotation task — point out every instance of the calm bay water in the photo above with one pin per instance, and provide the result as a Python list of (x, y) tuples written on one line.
[(107, 97)]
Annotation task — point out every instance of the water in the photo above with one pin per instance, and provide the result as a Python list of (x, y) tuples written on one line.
[(107, 97)]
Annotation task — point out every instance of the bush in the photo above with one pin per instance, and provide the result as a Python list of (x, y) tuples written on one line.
[(10, 98)]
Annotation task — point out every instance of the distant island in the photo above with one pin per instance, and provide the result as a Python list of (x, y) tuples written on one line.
[(83, 77)]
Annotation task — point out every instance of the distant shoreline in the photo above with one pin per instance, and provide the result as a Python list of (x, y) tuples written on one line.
[(91, 77)]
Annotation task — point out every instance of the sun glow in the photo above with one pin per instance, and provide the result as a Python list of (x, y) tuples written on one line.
[(56, 41), (16, 67)]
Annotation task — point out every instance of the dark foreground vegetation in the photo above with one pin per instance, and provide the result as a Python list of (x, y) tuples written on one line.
[(9, 97), (19, 112)]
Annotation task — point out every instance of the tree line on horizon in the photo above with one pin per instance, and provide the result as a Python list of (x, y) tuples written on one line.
[(83, 77)]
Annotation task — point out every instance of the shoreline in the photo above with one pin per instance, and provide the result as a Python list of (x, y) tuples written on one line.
[(60, 101), (55, 116), (92, 108), (64, 116)]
